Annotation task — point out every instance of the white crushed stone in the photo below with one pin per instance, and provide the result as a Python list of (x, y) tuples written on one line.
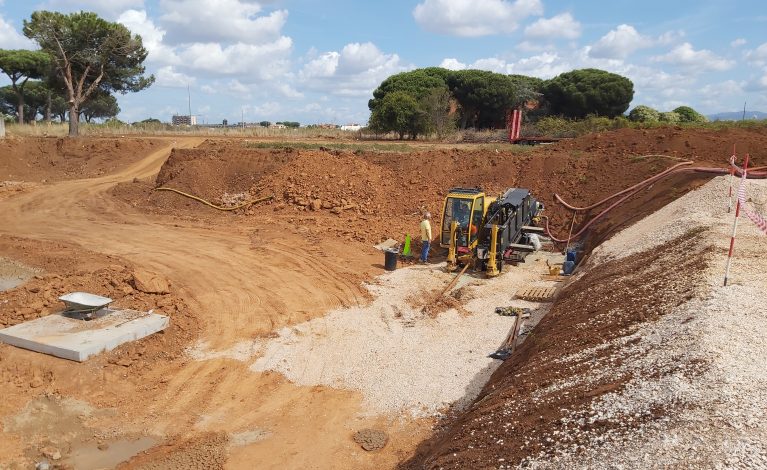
[(715, 345), (703, 206), (400, 359)]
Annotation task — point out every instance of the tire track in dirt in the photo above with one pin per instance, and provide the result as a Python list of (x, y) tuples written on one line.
[(237, 292)]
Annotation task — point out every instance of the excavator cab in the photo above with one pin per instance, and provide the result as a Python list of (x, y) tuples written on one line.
[(463, 215)]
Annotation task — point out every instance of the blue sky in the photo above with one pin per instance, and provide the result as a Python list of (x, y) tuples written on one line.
[(317, 61)]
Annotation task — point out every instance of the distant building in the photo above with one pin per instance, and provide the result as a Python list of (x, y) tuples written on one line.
[(225, 123), (351, 127), (184, 120), (277, 126)]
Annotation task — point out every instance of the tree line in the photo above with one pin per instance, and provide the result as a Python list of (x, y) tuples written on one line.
[(437, 100), (83, 59)]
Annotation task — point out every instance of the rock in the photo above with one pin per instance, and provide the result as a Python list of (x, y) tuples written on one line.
[(102, 446), (371, 439), (316, 205), (51, 453), (34, 290), (150, 283), (336, 210), (36, 382), (327, 204), (124, 361)]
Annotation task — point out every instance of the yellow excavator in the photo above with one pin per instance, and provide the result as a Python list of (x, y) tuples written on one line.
[(488, 231)]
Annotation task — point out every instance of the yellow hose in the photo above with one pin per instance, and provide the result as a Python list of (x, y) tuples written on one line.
[(221, 208)]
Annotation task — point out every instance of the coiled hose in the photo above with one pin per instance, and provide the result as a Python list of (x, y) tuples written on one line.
[(210, 204)]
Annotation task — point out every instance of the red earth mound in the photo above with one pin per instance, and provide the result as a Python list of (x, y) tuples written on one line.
[(45, 159), (371, 196)]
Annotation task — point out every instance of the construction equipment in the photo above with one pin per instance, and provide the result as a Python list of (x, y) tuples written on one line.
[(488, 231), (514, 126)]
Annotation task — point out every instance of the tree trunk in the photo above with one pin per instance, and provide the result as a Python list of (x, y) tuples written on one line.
[(20, 109), (48, 110), (74, 120)]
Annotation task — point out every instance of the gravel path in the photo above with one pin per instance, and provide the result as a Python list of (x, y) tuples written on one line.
[(399, 358), (700, 366)]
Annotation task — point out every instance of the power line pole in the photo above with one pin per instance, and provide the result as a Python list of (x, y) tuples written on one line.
[(744, 111)]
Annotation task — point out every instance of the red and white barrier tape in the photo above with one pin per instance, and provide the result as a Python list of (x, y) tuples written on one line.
[(757, 218)]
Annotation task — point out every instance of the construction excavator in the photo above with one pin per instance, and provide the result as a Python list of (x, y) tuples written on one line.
[(487, 231)]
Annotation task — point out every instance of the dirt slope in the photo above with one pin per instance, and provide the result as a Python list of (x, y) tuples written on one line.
[(47, 159), (519, 408), (367, 196)]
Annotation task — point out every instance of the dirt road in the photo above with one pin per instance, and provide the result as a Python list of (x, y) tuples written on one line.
[(240, 286)]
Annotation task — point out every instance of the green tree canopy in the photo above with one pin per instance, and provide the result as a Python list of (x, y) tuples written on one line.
[(580, 93), (687, 114), (644, 113), (399, 112), (485, 97), (416, 83), (438, 106), (100, 106), (20, 66), (89, 54)]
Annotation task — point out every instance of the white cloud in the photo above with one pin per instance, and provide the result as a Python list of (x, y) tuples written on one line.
[(562, 26), (108, 9), (474, 17), (201, 21), (323, 66), (355, 71), (152, 36), (738, 42), (289, 92), (544, 65), (237, 88), (619, 43), (12, 39), (452, 64), (252, 62), (758, 55), (686, 56), (168, 77)]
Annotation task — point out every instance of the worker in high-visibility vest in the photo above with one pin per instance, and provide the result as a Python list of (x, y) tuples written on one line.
[(425, 237)]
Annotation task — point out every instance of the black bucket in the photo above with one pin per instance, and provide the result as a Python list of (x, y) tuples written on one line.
[(390, 260)]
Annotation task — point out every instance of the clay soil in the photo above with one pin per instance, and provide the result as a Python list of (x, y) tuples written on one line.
[(97, 224)]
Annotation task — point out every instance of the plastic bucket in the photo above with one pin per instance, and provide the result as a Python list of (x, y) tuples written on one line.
[(390, 259), (568, 268)]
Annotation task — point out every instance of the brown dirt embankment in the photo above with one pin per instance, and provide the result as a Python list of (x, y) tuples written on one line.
[(520, 413), (49, 159), (370, 196)]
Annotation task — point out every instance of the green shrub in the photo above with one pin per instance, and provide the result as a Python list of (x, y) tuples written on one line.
[(670, 117), (644, 113), (687, 114)]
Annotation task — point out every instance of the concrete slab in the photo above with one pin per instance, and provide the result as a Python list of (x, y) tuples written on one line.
[(78, 340)]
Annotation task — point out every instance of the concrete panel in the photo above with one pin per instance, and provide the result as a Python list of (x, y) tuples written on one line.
[(78, 340)]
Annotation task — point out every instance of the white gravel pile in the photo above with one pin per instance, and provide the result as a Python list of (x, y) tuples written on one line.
[(702, 366), (705, 206), (400, 359)]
